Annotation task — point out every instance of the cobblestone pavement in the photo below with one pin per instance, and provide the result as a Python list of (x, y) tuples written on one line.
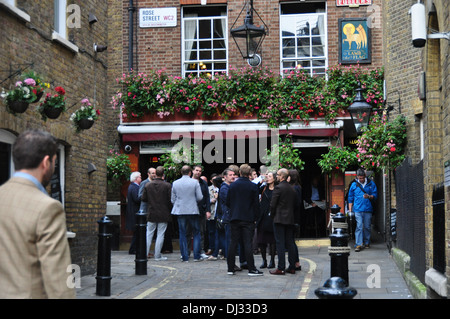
[(372, 272)]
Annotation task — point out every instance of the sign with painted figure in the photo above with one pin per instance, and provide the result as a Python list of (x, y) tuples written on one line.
[(354, 41), (157, 17)]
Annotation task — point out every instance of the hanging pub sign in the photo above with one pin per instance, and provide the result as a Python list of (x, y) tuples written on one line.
[(354, 41), (157, 17), (353, 3)]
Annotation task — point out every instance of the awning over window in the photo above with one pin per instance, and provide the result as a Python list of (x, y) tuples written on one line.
[(233, 130)]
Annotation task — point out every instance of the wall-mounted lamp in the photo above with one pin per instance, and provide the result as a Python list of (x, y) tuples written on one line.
[(248, 37), (92, 18), (419, 27), (99, 48), (91, 168), (360, 111)]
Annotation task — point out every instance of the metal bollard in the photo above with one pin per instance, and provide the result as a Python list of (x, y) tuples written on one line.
[(141, 243), (335, 288), (339, 249), (103, 277)]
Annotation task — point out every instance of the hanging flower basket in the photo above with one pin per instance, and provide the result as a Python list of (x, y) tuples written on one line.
[(38, 96), (53, 104), (85, 116), (53, 113), (85, 124), (17, 106)]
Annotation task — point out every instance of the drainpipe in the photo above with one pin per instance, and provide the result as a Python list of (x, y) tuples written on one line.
[(130, 35)]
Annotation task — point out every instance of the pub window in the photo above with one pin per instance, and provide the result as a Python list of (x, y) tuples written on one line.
[(60, 18), (303, 28), (204, 40)]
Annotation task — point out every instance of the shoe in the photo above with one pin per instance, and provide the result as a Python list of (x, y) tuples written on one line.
[(271, 265), (255, 272), (212, 258), (358, 248), (366, 246), (209, 252), (200, 259), (161, 258), (290, 271), (263, 265), (204, 256), (277, 272), (236, 268), (298, 267), (230, 272)]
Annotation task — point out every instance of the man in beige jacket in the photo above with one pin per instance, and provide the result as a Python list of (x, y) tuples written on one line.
[(34, 251)]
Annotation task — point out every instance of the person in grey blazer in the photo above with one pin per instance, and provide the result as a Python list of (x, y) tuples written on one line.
[(186, 193)]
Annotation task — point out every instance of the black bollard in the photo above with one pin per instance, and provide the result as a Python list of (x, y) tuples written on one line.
[(335, 288), (104, 257), (339, 249), (141, 243)]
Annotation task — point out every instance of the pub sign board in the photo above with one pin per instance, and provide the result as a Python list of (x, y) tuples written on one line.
[(353, 3), (354, 41)]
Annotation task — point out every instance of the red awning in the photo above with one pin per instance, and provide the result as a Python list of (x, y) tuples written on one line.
[(236, 134)]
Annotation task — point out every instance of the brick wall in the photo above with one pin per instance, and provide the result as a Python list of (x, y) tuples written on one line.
[(159, 48), (82, 74)]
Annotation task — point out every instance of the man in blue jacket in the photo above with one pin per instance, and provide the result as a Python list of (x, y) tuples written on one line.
[(243, 202), (361, 193)]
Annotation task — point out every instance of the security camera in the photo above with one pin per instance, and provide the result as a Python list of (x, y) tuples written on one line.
[(99, 48), (418, 25), (127, 148)]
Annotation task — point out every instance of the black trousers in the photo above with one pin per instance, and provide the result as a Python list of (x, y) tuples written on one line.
[(284, 237), (241, 230)]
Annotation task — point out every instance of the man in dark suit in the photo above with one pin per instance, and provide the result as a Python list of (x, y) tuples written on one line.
[(243, 202), (282, 209), (133, 204)]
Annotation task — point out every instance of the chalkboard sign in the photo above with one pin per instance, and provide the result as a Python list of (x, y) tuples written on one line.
[(393, 224)]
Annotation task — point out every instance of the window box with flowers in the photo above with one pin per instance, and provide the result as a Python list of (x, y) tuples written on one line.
[(85, 116), (53, 104), (250, 92)]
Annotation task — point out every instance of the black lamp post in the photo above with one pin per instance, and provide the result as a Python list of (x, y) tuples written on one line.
[(360, 111), (248, 37)]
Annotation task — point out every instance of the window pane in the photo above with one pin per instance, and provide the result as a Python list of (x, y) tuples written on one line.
[(218, 28), (220, 54), (204, 29), (205, 44), (190, 55), (205, 55), (190, 29), (303, 47), (219, 44)]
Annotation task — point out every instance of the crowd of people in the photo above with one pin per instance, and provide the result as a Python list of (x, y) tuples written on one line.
[(240, 213)]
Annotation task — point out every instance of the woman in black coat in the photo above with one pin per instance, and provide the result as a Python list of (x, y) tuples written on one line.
[(264, 232)]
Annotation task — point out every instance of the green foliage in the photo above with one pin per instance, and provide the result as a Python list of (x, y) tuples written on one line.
[(284, 155), (173, 161), (249, 91), (382, 144), (337, 159), (118, 167)]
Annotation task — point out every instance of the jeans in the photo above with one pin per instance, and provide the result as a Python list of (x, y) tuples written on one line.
[(211, 230), (161, 229), (220, 243), (362, 231), (194, 222), (241, 230), (284, 237)]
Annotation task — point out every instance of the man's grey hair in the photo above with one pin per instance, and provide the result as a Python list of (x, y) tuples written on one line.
[(360, 172), (134, 175)]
